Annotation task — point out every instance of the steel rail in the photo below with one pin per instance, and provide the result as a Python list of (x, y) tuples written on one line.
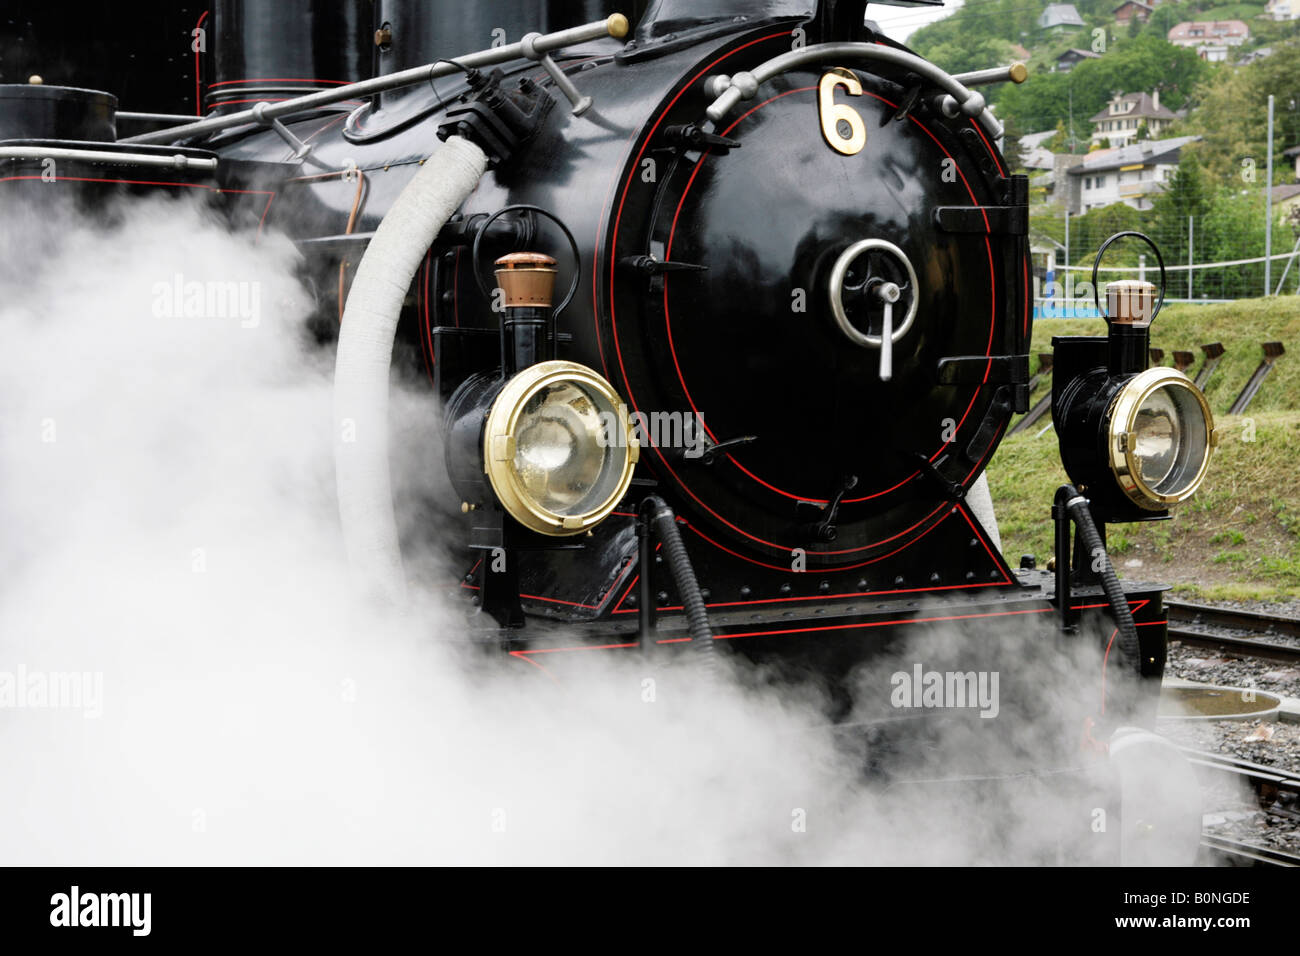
[(1248, 853), (1257, 774), (1247, 646)]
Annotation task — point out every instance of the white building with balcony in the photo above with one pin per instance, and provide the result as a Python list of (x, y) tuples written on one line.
[(1133, 175)]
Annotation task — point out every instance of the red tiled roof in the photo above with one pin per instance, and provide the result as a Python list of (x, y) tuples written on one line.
[(1210, 28)]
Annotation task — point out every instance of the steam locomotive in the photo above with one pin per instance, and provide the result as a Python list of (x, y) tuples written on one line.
[(724, 306)]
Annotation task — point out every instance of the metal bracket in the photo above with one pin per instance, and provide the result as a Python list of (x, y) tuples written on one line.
[(1061, 540), (693, 137), (1006, 400), (824, 529), (580, 103), (1272, 352), (654, 266), (1213, 353), (909, 101), (712, 452), (951, 490), (970, 370), (300, 149)]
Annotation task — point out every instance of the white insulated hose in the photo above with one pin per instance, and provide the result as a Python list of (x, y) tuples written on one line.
[(365, 352)]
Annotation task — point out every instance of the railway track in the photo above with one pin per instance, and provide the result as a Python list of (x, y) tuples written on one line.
[(1235, 853), (1266, 780), (1270, 637), (1269, 784)]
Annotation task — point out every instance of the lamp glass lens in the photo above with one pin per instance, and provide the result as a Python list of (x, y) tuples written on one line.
[(1158, 428), (563, 458), (1172, 439)]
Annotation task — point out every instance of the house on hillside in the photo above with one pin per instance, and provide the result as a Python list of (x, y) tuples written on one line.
[(1282, 9), (1059, 16), (1033, 153), (1117, 124), (1071, 57), (1211, 38), (1132, 175), (1286, 202), (1131, 10), (1294, 154)]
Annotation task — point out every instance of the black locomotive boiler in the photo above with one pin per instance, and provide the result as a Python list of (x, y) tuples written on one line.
[(725, 307)]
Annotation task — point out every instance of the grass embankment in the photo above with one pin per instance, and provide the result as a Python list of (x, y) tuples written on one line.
[(1239, 536)]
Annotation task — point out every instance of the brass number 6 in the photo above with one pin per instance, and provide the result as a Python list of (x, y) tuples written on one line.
[(832, 113)]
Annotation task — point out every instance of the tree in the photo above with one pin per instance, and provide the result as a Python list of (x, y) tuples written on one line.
[(1145, 63), (1005, 20), (1142, 132), (1231, 116), (1186, 193), (965, 52), (1233, 228), (1165, 17), (1089, 231), (1060, 141)]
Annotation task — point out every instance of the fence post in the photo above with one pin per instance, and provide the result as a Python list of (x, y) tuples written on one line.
[(1067, 233), (1189, 257), (1268, 205)]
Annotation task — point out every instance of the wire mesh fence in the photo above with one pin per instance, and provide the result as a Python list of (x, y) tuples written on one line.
[(1219, 257)]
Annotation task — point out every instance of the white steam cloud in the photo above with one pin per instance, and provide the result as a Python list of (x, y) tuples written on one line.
[(166, 495)]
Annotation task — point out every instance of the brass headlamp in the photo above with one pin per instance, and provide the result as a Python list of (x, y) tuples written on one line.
[(1137, 439)]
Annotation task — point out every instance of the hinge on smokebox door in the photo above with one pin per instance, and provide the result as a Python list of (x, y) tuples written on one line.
[(1010, 373)]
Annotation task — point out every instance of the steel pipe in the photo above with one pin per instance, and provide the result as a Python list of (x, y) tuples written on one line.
[(744, 85), (176, 161), (613, 26)]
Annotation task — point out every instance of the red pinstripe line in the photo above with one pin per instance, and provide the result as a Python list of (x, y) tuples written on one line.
[(277, 79), (979, 535), (522, 656), (198, 91), (997, 162)]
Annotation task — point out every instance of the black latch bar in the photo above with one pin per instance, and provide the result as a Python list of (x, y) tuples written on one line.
[(970, 369), (1001, 220)]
